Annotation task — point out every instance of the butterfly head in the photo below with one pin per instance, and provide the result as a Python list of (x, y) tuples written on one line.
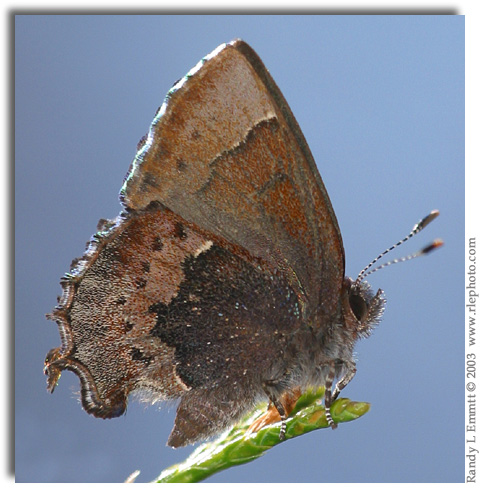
[(363, 308)]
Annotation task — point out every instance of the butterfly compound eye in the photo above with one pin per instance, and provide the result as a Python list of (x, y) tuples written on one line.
[(358, 306)]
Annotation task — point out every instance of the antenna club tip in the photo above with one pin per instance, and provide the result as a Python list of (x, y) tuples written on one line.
[(432, 216), (434, 245), (429, 218), (425, 221)]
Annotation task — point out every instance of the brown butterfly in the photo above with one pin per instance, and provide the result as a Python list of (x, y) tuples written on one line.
[(222, 282)]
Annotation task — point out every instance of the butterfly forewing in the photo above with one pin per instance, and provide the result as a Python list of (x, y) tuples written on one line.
[(226, 153)]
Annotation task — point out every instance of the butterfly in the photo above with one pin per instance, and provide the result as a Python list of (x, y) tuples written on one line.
[(222, 281)]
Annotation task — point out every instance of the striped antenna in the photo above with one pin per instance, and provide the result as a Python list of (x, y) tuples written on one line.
[(416, 229)]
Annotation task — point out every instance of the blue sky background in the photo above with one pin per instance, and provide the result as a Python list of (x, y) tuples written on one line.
[(380, 100)]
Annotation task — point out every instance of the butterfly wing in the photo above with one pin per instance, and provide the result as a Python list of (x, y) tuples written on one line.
[(229, 246), (226, 153), (159, 305)]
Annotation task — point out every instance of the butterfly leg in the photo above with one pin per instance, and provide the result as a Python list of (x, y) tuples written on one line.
[(288, 400), (328, 394), (269, 389), (350, 371)]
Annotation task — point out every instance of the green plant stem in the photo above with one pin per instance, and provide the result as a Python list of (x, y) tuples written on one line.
[(238, 446)]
